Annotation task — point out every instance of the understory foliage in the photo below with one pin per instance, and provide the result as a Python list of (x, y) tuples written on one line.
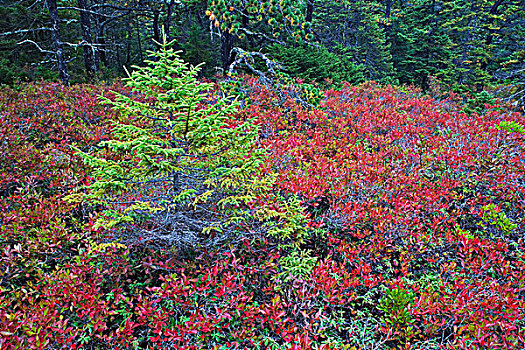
[(404, 217)]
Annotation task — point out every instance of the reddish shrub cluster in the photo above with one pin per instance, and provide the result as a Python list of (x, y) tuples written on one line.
[(416, 234), (402, 183)]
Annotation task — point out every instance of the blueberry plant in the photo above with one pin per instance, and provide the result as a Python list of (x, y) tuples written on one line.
[(414, 236)]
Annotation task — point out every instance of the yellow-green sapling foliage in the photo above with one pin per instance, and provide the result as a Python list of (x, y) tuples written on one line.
[(180, 169)]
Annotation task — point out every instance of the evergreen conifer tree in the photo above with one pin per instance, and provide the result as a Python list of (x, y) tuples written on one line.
[(355, 29), (420, 46), (511, 53), (180, 171), (316, 63), (475, 28)]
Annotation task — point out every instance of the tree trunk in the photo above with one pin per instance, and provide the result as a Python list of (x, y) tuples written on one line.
[(100, 54), (139, 42), (309, 11), (156, 31), (128, 46), (57, 42), (167, 25), (102, 51), (227, 40), (85, 24)]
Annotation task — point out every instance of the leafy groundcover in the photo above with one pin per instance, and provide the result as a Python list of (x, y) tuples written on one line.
[(407, 230)]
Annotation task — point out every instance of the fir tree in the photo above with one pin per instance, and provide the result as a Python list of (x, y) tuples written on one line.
[(419, 43)]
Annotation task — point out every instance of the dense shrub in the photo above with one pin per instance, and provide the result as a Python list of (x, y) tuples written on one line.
[(415, 232)]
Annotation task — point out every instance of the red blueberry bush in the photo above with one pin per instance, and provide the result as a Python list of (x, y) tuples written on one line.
[(414, 220)]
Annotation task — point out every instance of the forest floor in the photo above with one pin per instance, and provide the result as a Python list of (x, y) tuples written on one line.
[(415, 226)]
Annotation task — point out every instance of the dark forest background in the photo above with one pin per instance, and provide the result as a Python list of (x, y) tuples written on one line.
[(476, 46)]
